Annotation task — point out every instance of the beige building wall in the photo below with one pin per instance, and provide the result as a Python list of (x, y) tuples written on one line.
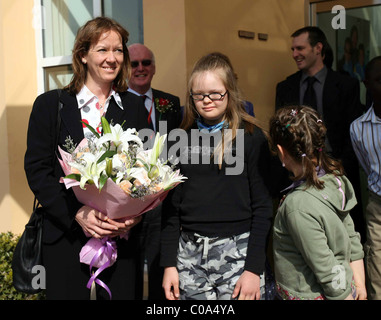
[(18, 88), (164, 33), (179, 32), (196, 27), (213, 25)]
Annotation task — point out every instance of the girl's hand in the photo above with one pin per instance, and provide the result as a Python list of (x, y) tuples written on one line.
[(361, 293), (357, 267), (247, 287), (350, 297), (171, 283)]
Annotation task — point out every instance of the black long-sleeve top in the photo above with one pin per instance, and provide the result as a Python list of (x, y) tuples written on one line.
[(212, 203)]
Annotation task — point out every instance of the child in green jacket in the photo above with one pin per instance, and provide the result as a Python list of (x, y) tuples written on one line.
[(317, 253)]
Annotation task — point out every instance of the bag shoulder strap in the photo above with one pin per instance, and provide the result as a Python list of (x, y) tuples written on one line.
[(60, 106), (58, 129)]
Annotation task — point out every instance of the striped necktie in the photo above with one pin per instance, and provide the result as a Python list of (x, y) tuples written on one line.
[(149, 120)]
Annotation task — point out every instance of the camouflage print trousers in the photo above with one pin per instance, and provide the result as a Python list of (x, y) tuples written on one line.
[(210, 267)]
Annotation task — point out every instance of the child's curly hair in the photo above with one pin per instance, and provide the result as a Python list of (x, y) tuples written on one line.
[(300, 130)]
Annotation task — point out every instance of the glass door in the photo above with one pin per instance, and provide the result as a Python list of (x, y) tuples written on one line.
[(353, 29)]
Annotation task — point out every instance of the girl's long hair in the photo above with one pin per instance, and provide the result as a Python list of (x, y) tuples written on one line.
[(88, 35), (301, 131)]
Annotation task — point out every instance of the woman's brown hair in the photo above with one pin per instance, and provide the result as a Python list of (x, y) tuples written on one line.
[(88, 35)]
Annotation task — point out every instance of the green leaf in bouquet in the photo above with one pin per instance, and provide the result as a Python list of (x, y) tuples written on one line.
[(157, 148), (105, 126), (93, 131), (153, 172), (74, 176), (102, 181), (145, 164), (107, 154), (108, 167), (168, 188)]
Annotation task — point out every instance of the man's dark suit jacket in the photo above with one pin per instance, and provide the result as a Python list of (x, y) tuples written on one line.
[(172, 117), (341, 105), (149, 228), (60, 204)]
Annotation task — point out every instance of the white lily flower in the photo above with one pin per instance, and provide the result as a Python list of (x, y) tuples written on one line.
[(131, 135), (143, 157), (168, 176), (157, 148), (90, 170), (120, 176), (149, 158), (124, 164), (119, 138), (140, 174), (120, 162)]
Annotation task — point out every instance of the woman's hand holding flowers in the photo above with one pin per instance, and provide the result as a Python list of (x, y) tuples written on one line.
[(130, 223), (97, 225)]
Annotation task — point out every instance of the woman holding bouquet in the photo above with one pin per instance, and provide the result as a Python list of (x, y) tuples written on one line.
[(215, 225), (98, 87)]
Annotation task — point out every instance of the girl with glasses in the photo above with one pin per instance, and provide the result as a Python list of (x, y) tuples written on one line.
[(215, 224)]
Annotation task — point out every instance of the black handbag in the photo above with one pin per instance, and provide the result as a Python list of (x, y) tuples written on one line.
[(27, 254), (28, 251)]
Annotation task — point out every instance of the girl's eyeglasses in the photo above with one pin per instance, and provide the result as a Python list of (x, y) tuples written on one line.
[(212, 96)]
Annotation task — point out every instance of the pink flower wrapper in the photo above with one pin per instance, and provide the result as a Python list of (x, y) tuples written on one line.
[(111, 201)]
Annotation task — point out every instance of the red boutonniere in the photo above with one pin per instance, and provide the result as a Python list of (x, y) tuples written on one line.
[(163, 105)]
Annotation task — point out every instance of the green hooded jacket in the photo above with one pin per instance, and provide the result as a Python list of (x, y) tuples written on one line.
[(315, 241)]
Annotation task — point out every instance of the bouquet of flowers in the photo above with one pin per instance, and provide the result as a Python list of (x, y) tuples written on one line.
[(113, 174)]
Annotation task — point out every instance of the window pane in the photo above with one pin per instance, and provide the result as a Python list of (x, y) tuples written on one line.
[(357, 44), (57, 77), (62, 18), (129, 14)]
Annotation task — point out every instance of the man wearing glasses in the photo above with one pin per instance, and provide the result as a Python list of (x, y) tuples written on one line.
[(159, 106)]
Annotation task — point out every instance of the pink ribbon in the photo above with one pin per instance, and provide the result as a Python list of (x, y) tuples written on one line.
[(108, 249)]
